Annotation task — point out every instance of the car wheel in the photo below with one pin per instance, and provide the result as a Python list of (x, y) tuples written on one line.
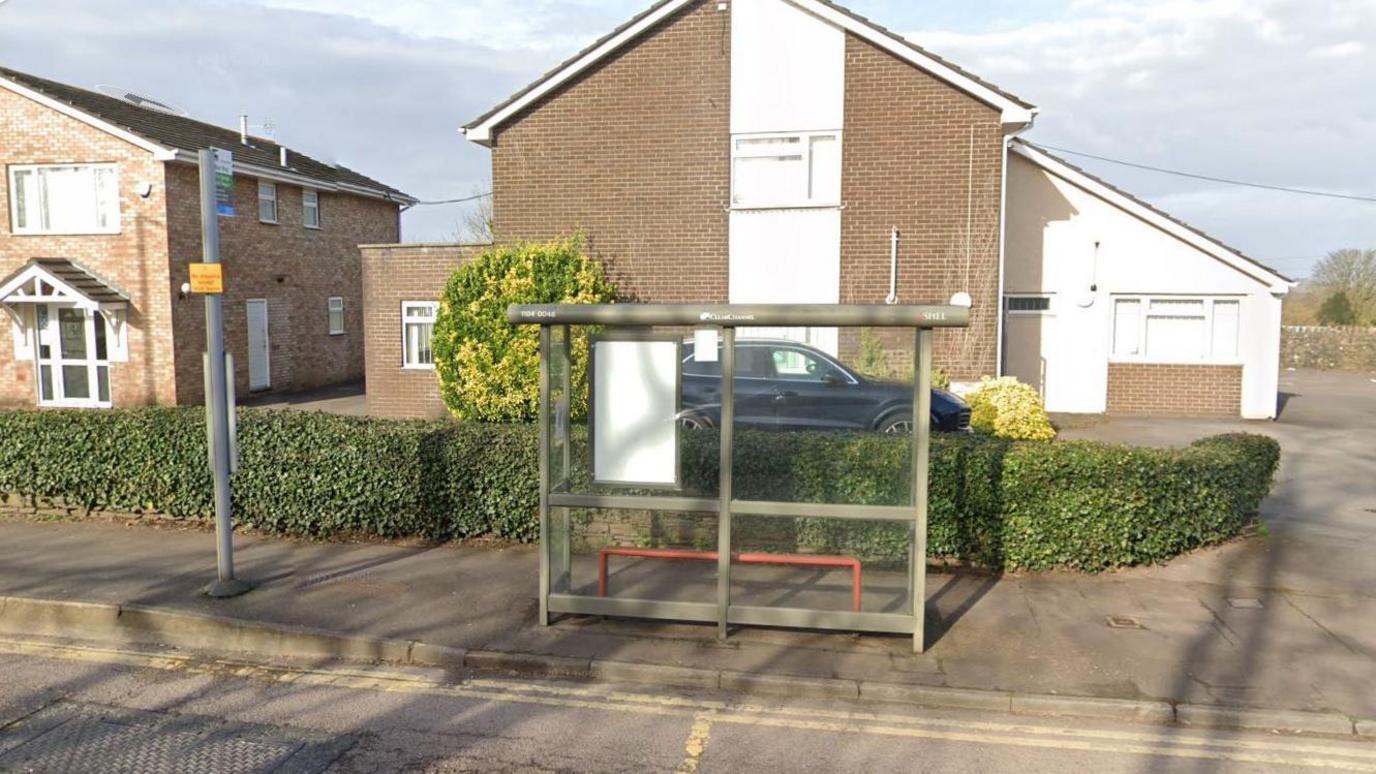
[(898, 423), (901, 423), (694, 422)]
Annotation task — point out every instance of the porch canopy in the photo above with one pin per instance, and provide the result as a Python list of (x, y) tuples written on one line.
[(63, 282), (641, 370)]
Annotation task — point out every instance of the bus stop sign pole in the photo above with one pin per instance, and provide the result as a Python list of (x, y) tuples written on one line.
[(216, 400)]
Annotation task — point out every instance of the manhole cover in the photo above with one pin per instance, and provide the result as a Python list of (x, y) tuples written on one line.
[(79, 738), (1124, 622), (1245, 603)]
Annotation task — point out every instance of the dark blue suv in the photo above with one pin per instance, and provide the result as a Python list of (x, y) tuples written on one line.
[(786, 385)]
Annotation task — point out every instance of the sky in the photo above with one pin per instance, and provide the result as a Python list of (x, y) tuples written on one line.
[(1272, 91)]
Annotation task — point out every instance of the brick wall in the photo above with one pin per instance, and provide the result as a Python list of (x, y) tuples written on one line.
[(294, 268), (925, 157), (1153, 389), (393, 274), (635, 152), (135, 259)]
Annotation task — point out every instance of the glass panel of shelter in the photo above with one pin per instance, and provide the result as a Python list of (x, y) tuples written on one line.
[(633, 551), (605, 540)]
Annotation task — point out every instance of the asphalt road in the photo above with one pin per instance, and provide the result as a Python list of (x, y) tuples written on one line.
[(64, 708)]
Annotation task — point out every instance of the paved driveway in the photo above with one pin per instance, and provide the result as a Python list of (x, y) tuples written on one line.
[(1322, 513), (349, 399), (1316, 567)]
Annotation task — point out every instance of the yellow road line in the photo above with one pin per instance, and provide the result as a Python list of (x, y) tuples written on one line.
[(1352, 756), (696, 744), (965, 724)]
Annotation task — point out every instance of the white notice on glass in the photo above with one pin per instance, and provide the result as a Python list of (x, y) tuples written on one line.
[(634, 412), (705, 345)]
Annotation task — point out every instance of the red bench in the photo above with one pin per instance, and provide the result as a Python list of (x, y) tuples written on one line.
[(792, 560)]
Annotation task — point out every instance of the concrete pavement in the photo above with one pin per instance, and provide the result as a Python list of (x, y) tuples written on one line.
[(1282, 621)]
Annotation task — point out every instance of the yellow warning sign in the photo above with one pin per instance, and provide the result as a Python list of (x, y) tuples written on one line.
[(207, 278)]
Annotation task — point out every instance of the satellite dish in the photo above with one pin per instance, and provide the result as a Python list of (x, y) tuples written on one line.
[(139, 100)]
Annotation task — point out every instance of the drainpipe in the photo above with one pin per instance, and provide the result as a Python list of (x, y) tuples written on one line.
[(893, 268)]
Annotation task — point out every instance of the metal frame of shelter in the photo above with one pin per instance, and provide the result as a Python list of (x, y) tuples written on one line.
[(555, 495)]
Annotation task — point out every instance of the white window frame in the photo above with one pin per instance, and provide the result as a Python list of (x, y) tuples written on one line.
[(310, 203), (1144, 313), (406, 322), (335, 305), (29, 229), (805, 148), (267, 192)]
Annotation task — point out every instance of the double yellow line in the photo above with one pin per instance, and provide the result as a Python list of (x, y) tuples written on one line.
[(1306, 752)]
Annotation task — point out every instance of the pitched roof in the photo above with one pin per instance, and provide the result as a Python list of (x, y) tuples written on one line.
[(1149, 212), (85, 283), (179, 133), (1015, 108)]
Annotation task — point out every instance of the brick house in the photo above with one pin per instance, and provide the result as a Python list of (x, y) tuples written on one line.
[(102, 197), (789, 151)]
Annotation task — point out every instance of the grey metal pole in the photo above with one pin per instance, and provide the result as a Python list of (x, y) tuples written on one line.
[(565, 427), (544, 475), (217, 412), (728, 438), (922, 433)]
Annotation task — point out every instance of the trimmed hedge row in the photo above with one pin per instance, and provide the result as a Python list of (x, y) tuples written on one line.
[(1001, 504)]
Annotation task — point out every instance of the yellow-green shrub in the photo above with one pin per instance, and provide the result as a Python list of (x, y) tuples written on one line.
[(1007, 408), (489, 369)]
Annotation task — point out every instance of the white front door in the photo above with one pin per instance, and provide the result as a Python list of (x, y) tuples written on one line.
[(72, 355), (259, 366)]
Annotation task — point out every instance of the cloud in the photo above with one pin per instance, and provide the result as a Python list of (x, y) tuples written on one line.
[(339, 88), (538, 25), (1221, 87), (1266, 90), (1339, 50)]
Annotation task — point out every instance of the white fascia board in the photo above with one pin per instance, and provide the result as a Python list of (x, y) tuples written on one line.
[(275, 175), (160, 152), (482, 133), (1013, 113), (1274, 282), (70, 294)]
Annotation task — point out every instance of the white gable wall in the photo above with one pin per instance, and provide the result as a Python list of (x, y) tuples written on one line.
[(1053, 226), (788, 75), (788, 69)]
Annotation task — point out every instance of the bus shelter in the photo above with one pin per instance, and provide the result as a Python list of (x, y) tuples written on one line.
[(631, 459)]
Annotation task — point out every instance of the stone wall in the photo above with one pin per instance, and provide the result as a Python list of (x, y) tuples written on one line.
[(1328, 349)]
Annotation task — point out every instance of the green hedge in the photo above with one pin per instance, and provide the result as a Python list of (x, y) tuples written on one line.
[(1001, 504)]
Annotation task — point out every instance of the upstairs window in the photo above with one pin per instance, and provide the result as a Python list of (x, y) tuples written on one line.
[(267, 203), (64, 199), (779, 171), (310, 208)]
